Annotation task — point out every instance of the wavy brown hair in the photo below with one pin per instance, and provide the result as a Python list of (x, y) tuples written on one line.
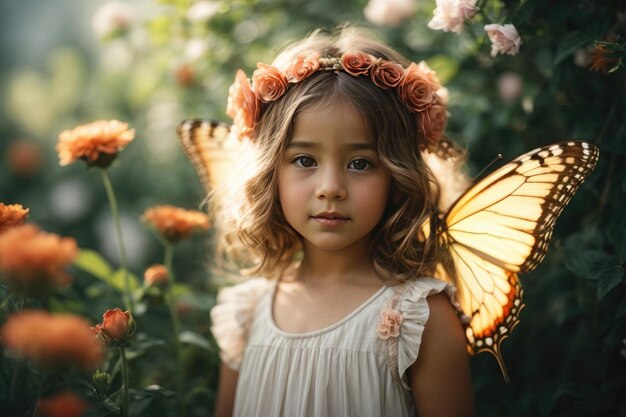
[(257, 235)]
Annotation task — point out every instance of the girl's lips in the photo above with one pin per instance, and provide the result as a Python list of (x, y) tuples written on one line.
[(330, 219)]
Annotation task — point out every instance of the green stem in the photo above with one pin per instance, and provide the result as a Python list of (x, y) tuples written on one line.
[(128, 299), (171, 302), (19, 363), (125, 378)]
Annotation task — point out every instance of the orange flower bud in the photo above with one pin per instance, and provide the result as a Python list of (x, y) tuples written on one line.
[(117, 326), (65, 404), (156, 275)]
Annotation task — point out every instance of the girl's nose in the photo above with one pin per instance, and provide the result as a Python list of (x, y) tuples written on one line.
[(331, 185)]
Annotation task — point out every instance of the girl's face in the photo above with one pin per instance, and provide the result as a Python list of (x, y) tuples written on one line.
[(332, 186)]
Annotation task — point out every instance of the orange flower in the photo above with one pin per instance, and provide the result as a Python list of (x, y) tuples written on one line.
[(117, 326), (34, 262), (602, 58), (269, 83), (243, 106), (12, 215), (386, 74), (432, 122), (58, 341), (65, 404), (302, 67), (356, 63), (97, 143), (156, 275), (24, 158), (175, 223), (416, 90)]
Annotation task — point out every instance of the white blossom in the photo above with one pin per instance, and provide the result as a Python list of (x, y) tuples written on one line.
[(504, 39), (112, 18), (389, 12), (450, 15)]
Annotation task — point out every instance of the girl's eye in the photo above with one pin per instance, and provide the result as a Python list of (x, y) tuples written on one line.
[(304, 162), (359, 164)]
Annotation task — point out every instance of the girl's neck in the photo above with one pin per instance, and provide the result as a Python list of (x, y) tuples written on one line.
[(349, 264)]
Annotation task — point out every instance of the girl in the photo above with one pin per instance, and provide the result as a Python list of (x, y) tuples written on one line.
[(345, 321)]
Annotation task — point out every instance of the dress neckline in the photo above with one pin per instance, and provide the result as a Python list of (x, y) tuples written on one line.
[(279, 331)]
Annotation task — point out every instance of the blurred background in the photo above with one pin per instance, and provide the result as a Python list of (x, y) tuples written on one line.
[(154, 63)]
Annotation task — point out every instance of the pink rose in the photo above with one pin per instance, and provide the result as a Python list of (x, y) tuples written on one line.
[(243, 106), (416, 90), (450, 15), (386, 74), (302, 67), (356, 63), (432, 122), (389, 324), (269, 84), (504, 39)]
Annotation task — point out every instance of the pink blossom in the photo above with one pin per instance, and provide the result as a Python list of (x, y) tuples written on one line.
[(504, 39), (449, 15), (389, 12), (389, 324)]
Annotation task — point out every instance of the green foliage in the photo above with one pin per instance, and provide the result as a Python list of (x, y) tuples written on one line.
[(566, 358)]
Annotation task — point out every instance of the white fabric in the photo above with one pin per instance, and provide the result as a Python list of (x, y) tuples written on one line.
[(341, 370)]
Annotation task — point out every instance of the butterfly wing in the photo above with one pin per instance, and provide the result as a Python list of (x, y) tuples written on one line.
[(501, 226), (210, 148)]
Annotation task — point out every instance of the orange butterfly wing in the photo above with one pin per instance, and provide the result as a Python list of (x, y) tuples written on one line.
[(501, 226), (210, 148)]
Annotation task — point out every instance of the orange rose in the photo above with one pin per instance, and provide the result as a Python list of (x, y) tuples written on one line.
[(243, 106), (386, 74), (12, 215), (429, 74), (156, 275), (356, 63), (34, 262), (174, 223), (52, 341), (117, 326), (432, 122), (415, 90), (302, 67), (97, 143), (389, 324), (65, 404), (269, 84)]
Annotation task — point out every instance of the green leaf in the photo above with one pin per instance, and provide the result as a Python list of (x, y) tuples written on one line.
[(117, 280), (93, 263), (569, 44), (586, 262), (445, 67), (609, 277), (195, 339)]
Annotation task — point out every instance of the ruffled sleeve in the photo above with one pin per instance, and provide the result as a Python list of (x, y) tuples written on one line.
[(232, 317), (413, 306)]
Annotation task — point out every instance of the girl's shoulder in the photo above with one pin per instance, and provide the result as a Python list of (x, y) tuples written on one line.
[(232, 316), (410, 309)]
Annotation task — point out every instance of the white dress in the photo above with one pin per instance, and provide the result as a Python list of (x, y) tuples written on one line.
[(346, 369)]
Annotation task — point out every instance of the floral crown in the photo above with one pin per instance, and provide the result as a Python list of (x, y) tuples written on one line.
[(417, 87)]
